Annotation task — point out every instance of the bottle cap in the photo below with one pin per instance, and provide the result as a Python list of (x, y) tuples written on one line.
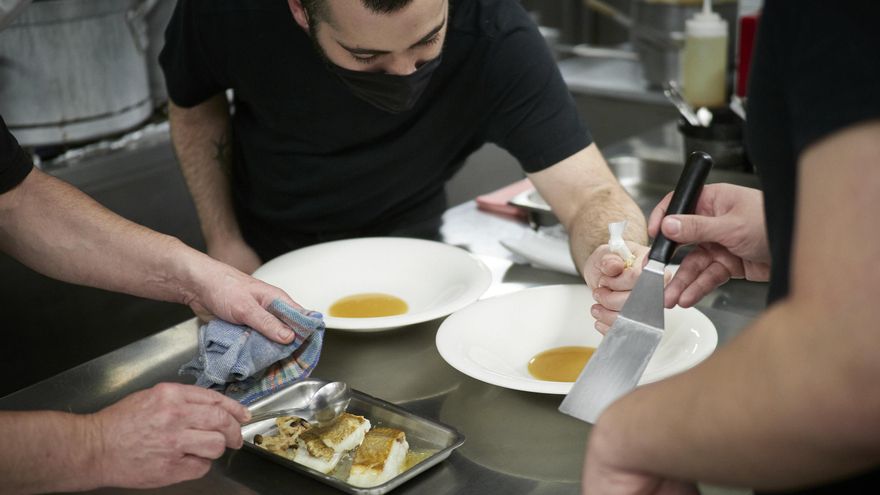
[(706, 24)]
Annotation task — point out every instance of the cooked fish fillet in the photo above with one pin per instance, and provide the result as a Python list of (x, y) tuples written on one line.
[(345, 433), (314, 453), (380, 457)]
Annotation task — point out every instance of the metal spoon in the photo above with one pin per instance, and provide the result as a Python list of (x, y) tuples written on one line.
[(674, 95), (325, 405)]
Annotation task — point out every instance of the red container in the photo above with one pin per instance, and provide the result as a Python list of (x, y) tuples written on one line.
[(748, 27)]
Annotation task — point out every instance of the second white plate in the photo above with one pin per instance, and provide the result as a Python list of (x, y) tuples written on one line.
[(494, 339)]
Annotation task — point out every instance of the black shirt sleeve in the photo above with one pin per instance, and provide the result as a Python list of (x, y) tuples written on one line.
[(14, 162), (533, 114), (815, 72), (833, 77), (191, 76)]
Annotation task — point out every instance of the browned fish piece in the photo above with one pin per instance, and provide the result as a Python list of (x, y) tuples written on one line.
[(345, 433), (380, 457), (313, 452)]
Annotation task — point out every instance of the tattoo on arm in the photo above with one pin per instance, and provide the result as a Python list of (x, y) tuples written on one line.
[(223, 153)]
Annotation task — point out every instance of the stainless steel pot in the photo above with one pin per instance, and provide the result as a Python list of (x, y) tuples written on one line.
[(74, 70)]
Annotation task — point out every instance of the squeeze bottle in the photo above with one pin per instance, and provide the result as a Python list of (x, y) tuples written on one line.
[(704, 62)]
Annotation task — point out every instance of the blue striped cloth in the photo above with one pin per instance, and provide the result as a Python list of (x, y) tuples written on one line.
[(239, 362)]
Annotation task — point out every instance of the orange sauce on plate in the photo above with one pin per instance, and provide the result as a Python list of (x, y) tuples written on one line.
[(560, 364), (368, 305)]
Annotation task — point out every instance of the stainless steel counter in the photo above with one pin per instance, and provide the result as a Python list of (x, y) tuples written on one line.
[(517, 442)]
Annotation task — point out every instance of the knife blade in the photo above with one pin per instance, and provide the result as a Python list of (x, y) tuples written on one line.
[(624, 353)]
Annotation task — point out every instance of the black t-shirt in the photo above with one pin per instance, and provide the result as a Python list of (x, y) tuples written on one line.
[(14, 163), (312, 161), (816, 71)]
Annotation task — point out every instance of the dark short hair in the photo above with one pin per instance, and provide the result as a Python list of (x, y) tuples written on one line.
[(318, 10)]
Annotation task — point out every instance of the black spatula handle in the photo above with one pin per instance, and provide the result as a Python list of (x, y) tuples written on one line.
[(684, 200)]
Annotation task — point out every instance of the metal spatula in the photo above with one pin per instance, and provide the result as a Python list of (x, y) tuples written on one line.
[(621, 358)]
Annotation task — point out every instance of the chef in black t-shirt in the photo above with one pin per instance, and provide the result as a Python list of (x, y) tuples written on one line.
[(793, 402), (57, 230), (348, 116)]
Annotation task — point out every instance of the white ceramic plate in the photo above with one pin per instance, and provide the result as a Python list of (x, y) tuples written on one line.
[(434, 279), (494, 339)]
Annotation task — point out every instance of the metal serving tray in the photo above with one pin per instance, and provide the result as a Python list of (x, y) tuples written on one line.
[(423, 435)]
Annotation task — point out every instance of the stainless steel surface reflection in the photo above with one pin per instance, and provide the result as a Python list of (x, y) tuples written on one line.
[(399, 365), (519, 434)]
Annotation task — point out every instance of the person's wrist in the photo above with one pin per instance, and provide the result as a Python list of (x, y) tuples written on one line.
[(607, 441), (177, 262), (198, 273), (90, 452)]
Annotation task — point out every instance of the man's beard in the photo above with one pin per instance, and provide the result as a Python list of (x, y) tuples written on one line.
[(313, 37)]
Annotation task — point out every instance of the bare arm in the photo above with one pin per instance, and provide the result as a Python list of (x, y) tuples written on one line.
[(586, 197), (202, 142), (47, 451), (152, 438), (794, 399), (57, 230)]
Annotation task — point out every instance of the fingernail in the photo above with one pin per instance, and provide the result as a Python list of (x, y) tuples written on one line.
[(672, 226), (596, 296), (284, 334), (594, 312), (247, 415), (601, 282)]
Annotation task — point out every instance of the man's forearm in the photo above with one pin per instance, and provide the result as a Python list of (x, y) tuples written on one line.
[(589, 228), (765, 422), (794, 399), (202, 141), (48, 451), (59, 231), (586, 197)]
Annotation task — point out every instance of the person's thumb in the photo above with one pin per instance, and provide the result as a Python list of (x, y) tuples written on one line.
[(692, 229)]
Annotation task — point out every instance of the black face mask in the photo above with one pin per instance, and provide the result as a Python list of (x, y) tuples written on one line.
[(388, 92)]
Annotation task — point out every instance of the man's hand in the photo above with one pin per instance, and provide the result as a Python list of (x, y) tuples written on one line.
[(227, 293), (164, 435), (728, 228), (601, 479), (611, 280), (605, 471)]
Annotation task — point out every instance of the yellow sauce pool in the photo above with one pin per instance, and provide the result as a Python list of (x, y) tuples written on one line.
[(560, 364), (368, 305)]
